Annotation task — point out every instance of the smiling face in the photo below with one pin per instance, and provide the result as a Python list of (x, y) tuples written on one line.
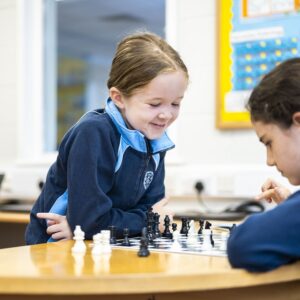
[(153, 108), (283, 147)]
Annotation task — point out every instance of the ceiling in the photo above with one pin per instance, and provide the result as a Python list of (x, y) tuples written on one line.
[(90, 29)]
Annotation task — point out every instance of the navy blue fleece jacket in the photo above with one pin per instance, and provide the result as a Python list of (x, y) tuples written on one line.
[(107, 173), (267, 240)]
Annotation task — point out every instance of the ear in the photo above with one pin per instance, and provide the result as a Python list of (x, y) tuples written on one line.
[(296, 118), (117, 97)]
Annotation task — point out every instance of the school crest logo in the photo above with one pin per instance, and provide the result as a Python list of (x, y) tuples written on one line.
[(148, 179)]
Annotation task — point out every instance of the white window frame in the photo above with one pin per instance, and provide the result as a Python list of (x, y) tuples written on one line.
[(32, 83)]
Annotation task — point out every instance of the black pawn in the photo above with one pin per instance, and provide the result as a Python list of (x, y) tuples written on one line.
[(126, 241), (174, 227), (143, 251), (113, 239)]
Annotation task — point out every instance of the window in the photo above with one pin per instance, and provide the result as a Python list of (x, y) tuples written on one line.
[(87, 35)]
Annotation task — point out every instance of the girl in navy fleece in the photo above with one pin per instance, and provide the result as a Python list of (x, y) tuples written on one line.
[(110, 164), (268, 240)]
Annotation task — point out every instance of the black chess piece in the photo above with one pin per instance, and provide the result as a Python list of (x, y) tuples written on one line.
[(143, 250), (167, 233), (113, 239), (212, 240), (126, 241), (201, 224), (184, 226), (156, 231), (150, 234), (150, 216), (174, 227), (207, 225)]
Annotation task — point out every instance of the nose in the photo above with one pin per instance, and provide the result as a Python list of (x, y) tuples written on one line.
[(165, 115), (270, 159)]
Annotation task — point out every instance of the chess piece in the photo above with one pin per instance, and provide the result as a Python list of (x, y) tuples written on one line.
[(156, 231), (201, 224), (105, 241), (150, 235), (174, 227), (212, 239), (126, 241), (97, 244), (191, 228), (184, 226), (206, 246), (79, 245), (113, 239), (207, 225), (143, 250), (192, 235), (176, 245), (223, 241), (167, 233)]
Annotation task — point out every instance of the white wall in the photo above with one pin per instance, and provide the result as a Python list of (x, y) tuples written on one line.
[(232, 161), (229, 162)]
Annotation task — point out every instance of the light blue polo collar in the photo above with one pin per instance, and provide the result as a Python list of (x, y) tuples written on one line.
[(134, 138)]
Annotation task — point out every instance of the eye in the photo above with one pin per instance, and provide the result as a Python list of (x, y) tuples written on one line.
[(154, 104), (176, 104)]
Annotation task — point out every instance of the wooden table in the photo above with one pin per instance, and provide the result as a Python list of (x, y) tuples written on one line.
[(49, 270)]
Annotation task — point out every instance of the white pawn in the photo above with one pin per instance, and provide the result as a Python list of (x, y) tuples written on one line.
[(206, 246), (175, 245), (79, 246), (223, 241), (192, 235), (106, 248), (97, 247)]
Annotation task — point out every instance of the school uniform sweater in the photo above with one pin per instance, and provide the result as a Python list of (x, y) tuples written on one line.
[(105, 174), (267, 240)]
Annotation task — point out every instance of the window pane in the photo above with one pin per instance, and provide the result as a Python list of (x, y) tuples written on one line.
[(87, 34)]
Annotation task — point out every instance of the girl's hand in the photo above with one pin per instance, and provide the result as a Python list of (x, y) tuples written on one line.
[(58, 226), (273, 191)]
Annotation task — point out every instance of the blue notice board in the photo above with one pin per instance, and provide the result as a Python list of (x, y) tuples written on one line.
[(254, 37)]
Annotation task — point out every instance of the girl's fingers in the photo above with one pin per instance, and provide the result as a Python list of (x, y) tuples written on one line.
[(50, 216), (267, 195)]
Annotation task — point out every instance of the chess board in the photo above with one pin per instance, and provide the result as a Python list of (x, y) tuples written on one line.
[(183, 245)]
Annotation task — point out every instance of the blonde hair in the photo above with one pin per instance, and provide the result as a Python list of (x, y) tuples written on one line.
[(140, 58)]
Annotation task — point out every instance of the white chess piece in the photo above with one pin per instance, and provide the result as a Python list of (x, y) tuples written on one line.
[(97, 244), (106, 248), (206, 246), (192, 237), (223, 241), (175, 245), (79, 245), (192, 228)]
